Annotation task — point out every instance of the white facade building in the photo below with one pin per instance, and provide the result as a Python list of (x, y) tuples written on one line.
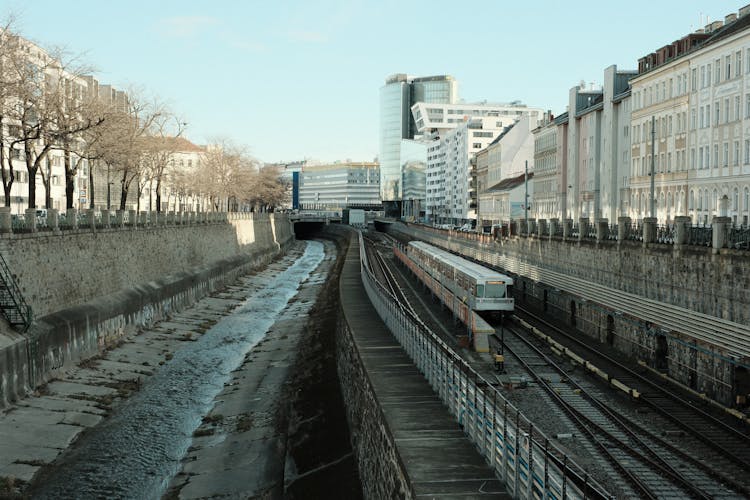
[(340, 185), (458, 132), (695, 91), (507, 160)]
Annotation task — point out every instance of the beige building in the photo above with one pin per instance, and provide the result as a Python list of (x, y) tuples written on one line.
[(695, 92)]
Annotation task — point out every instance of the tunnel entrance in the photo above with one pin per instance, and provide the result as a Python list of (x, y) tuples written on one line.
[(610, 330), (661, 353), (307, 230)]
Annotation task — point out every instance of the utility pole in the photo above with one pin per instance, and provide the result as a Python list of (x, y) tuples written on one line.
[(653, 157), (526, 193)]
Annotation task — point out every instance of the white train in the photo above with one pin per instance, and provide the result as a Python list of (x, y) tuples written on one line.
[(482, 289)]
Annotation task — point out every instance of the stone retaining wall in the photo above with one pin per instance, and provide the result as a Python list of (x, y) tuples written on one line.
[(89, 289), (695, 278), (380, 468), (381, 471)]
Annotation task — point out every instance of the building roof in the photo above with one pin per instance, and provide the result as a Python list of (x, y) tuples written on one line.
[(510, 183), (727, 30), (336, 166), (696, 41)]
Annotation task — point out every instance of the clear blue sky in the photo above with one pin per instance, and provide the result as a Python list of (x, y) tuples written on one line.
[(294, 79)]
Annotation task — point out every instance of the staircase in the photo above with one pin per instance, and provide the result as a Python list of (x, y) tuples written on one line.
[(12, 304)]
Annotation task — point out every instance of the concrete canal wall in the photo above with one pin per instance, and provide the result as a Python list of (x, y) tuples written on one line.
[(717, 284), (88, 289)]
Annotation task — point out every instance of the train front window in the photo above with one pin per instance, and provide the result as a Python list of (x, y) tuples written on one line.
[(480, 290), (495, 290)]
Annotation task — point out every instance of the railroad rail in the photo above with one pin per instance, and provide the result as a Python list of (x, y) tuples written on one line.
[(654, 467), (732, 338), (730, 459), (529, 463)]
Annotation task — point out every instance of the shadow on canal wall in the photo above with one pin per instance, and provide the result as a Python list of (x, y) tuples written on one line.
[(89, 289), (319, 442)]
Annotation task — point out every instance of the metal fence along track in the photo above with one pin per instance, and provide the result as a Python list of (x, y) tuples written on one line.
[(525, 459)]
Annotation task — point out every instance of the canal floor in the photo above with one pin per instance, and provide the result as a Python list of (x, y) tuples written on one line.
[(120, 425)]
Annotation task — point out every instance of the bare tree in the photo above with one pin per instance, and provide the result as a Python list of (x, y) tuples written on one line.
[(25, 72), (268, 190), (127, 142), (159, 150), (8, 83), (226, 173)]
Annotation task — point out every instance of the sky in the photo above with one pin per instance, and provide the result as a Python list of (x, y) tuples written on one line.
[(291, 80)]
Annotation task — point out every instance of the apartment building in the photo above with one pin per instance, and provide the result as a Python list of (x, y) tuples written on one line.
[(546, 188), (457, 132), (509, 157), (581, 157), (694, 92)]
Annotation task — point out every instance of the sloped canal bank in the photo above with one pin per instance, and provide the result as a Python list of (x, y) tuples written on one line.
[(174, 372)]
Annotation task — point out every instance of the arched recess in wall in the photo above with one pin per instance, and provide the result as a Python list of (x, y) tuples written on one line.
[(741, 387), (661, 353), (610, 330)]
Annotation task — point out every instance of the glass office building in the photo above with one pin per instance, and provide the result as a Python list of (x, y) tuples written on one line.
[(397, 96), (414, 180)]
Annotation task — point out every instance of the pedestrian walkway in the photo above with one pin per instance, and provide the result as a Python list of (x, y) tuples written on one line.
[(438, 458)]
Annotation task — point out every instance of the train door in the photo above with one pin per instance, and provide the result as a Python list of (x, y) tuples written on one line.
[(544, 305)]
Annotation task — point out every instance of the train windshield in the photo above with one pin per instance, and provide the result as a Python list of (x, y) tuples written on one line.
[(494, 290)]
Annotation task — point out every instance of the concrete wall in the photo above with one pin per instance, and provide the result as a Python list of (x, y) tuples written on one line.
[(380, 468), (694, 278), (88, 289)]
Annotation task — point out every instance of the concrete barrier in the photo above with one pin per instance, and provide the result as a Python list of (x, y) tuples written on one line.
[(78, 322)]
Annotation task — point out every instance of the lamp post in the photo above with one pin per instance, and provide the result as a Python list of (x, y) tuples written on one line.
[(653, 156)]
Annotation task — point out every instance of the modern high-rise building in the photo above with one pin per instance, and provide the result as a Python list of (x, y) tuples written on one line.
[(397, 96), (340, 185)]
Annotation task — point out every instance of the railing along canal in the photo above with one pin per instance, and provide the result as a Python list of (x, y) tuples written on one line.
[(525, 459)]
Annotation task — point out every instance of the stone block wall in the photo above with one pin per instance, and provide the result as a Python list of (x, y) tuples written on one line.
[(717, 284), (89, 289), (59, 270), (380, 468)]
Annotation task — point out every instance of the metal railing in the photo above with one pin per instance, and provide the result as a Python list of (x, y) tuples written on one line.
[(739, 238), (666, 234), (612, 233), (529, 464), (14, 307), (700, 236), (633, 232)]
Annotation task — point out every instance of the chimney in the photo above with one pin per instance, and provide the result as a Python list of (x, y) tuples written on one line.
[(730, 18), (745, 10)]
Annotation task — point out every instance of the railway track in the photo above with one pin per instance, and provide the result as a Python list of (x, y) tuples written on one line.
[(652, 467), (732, 338), (726, 450), (561, 460)]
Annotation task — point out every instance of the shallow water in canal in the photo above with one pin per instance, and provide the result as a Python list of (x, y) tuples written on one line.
[(136, 452)]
